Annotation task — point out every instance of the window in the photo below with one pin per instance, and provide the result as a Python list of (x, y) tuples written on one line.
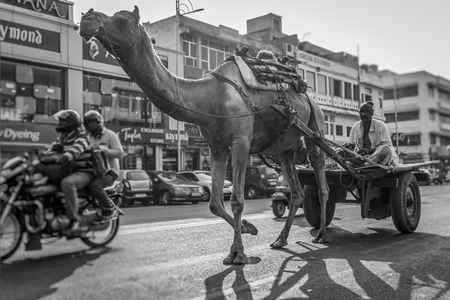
[(431, 91), (329, 124), (120, 102), (164, 59), (432, 139), (301, 72), (213, 54), (347, 90), (190, 50), (367, 98), (335, 87), (381, 102), (339, 130), (410, 140), (276, 25), (400, 92), (444, 95), (355, 92), (402, 116), (432, 116), (348, 130), (311, 80), (321, 84), (30, 93)]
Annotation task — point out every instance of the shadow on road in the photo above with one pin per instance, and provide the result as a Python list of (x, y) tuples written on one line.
[(24, 279), (381, 265)]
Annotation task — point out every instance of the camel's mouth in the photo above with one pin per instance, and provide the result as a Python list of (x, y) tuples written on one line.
[(87, 35)]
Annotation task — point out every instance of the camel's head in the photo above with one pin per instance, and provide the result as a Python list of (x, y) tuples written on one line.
[(119, 33)]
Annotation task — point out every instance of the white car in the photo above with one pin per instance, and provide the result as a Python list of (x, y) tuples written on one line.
[(205, 180)]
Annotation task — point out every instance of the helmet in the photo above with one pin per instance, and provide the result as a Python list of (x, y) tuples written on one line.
[(93, 121), (69, 120)]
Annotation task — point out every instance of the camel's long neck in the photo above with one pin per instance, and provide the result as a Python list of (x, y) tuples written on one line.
[(164, 89)]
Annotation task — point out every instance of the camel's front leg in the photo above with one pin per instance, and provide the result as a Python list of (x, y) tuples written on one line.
[(317, 159), (297, 195)]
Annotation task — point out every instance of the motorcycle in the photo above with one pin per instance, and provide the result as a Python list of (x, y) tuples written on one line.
[(32, 205)]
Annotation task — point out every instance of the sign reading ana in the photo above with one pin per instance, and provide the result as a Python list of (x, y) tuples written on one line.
[(55, 8), (29, 36)]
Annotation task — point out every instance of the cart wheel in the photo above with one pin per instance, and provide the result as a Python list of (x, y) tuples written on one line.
[(405, 203), (278, 208), (311, 207)]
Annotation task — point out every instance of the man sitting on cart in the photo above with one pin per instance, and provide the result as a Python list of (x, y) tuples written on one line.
[(370, 137)]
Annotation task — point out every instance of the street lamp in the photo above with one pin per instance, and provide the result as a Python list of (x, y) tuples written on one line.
[(179, 12)]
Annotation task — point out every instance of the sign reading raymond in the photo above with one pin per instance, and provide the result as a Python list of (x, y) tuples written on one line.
[(54, 8), (29, 36)]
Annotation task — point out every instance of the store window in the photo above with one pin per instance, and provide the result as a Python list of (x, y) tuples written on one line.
[(30, 93), (170, 155), (120, 102), (132, 157), (150, 160), (213, 54)]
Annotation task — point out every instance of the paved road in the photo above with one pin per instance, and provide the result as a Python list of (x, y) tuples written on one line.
[(182, 259)]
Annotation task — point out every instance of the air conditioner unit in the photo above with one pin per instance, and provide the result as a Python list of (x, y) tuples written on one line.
[(289, 50)]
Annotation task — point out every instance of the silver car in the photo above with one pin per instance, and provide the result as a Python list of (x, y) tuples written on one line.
[(204, 179)]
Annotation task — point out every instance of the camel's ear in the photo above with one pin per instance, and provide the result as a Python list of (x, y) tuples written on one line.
[(136, 13)]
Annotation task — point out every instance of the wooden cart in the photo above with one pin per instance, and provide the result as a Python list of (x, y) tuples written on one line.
[(382, 191)]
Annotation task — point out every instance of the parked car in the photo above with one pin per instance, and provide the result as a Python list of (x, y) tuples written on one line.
[(204, 179), (135, 185), (259, 180), (171, 187)]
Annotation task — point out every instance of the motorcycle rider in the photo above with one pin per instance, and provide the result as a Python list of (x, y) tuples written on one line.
[(75, 143), (107, 141)]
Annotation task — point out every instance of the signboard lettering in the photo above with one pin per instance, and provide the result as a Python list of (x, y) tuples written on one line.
[(29, 36), (53, 8), (142, 135), (27, 133)]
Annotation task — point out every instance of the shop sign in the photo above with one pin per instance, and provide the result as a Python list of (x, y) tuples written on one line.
[(94, 51), (29, 36), (53, 8), (141, 135), (27, 133)]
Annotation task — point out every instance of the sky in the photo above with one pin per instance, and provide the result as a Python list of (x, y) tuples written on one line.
[(399, 35)]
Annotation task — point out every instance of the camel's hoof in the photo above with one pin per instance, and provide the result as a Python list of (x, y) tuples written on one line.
[(229, 260), (278, 244), (241, 259), (248, 227)]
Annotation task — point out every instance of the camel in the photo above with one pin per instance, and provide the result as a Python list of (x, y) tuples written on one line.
[(228, 121)]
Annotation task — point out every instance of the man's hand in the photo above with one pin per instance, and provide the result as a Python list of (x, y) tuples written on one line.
[(62, 160), (365, 152)]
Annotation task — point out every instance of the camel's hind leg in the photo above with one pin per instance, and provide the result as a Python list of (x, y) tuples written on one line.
[(297, 195), (317, 160)]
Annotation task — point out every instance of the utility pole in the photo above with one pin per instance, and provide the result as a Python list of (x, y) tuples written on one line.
[(177, 39)]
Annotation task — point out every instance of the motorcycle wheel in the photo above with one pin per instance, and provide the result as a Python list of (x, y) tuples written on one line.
[(10, 236), (101, 238)]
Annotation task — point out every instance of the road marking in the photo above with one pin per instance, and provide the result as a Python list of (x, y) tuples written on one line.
[(124, 230)]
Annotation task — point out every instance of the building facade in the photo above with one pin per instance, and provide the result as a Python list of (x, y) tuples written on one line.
[(46, 67), (417, 107), (333, 78)]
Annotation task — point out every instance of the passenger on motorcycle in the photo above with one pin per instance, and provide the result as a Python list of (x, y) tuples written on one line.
[(101, 138), (75, 143)]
